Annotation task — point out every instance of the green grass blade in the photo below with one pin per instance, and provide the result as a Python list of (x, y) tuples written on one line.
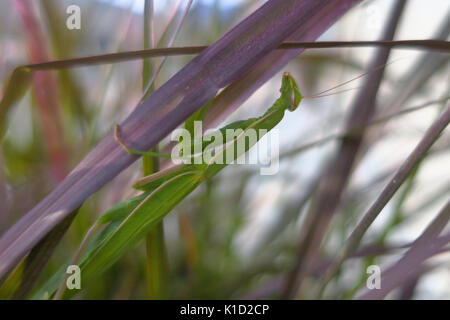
[(15, 89)]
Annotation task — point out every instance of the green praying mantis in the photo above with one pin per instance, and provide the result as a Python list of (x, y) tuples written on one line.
[(127, 222)]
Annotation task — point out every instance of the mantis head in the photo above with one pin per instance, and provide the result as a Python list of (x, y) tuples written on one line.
[(290, 92)]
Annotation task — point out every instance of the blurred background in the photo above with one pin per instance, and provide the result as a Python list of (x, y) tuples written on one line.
[(236, 235)]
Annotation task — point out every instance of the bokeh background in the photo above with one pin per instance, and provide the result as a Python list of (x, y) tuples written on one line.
[(236, 235)]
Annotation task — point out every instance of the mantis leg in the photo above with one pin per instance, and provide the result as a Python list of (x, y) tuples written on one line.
[(134, 151)]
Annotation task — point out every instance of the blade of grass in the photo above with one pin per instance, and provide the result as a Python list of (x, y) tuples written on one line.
[(416, 78), (409, 265), (157, 264), (168, 22), (440, 45), (63, 43), (22, 280), (15, 89), (397, 217), (337, 173), (428, 65), (171, 41), (33, 264), (318, 267), (401, 175), (149, 43), (156, 255), (408, 289), (45, 91), (149, 38)]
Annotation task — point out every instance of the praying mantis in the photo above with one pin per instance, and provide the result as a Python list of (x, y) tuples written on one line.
[(127, 222)]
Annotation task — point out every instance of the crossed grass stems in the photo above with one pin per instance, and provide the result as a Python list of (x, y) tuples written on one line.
[(148, 53)]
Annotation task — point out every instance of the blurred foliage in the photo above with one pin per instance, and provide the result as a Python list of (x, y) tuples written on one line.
[(236, 235)]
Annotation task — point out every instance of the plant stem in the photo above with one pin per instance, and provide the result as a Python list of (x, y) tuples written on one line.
[(336, 175), (372, 213), (156, 260), (157, 265), (156, 257), (421, 44)]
